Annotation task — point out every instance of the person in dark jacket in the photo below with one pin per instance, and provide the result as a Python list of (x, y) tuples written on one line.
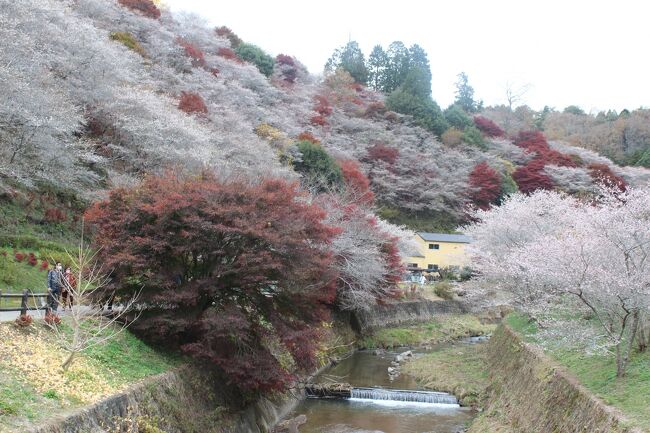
[(54, 286)]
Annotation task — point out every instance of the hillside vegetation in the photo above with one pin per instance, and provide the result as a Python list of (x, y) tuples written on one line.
[(119, 89)]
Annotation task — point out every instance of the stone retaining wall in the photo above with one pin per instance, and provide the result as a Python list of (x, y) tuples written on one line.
[(403, 313), (180, 401), (530, 394)]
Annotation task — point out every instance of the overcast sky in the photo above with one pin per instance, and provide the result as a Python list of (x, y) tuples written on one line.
[(589, 53)]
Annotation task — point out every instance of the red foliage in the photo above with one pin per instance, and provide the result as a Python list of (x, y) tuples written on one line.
[(488, 127), (145, 7), (219, 264), (393, 259), (32, 260), (192, 103), (229, 54), (19, 256), (356, 182), (308, 136), (486, 185), (375, 108), (55, 215), (24, 320), (193, 52), (225, 32), (44, 265), (384, 153), (323, 106), (534, 141), (284, 59), (603, 174), (531, 177), (52, 319), (318, 120)]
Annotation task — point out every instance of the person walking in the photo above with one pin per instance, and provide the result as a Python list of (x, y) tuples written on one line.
[(54, 286), (69, 286)]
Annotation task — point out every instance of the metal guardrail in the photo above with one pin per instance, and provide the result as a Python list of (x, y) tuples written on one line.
[(25, 296)]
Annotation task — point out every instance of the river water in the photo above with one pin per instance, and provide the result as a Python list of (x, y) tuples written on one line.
[(365, 369)]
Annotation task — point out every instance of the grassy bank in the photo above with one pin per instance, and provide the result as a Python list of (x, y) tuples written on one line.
[(33, 385), (441, 329), (459, 369), (597, 372)]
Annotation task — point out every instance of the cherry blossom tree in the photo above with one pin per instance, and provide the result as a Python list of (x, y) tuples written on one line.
[(554, 252)]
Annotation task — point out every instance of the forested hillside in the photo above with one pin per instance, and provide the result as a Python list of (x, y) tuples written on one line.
[(98, 93)]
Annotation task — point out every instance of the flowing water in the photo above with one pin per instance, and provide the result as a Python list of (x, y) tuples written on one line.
[(379, 403)]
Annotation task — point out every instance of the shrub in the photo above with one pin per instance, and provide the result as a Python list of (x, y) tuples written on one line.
[(322, 106), (19, 256), (192, 103), (255, 55), (452, 137), (444, 290), (317, 165), (284, 59), (374, 109), (24, 320), (32, 260), (8, 270), (55, 215), (381, 152), (145, 7), (488, 127), (318, 120), (471, 135), (44, 265), (228, 54), (193, 52), (308, 136), (225, 32), (129, 41), (456, 117), (52, 319)]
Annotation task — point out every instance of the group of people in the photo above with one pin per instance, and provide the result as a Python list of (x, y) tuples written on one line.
[(60, 285)]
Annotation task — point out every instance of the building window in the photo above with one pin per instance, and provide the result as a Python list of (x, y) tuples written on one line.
[(432, 267), (412, 265), (434, 246)]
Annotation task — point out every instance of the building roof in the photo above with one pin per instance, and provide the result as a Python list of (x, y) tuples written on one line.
[(443, 237)]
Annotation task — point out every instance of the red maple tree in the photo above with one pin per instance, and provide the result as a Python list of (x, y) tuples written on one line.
[(192, 103), (602, 173), (488, 127), (145, 7), (227, 270), (531, 177), (486, 185), (356, 182), (381, 152)]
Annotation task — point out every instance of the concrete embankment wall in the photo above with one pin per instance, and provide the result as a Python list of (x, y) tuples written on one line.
[(403, 313), (180, 401), (530, 394)]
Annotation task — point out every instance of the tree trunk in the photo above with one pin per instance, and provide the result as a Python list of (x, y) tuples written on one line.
[(643, 336), (624, 348), (66, 364)]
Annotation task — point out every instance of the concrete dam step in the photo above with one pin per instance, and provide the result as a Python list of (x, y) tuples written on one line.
[(346, 391)]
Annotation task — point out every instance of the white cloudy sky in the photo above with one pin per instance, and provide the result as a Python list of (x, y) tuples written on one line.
[(589, 53)]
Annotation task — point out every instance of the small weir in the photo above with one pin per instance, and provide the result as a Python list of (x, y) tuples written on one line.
[(403, 396), (369, 400)]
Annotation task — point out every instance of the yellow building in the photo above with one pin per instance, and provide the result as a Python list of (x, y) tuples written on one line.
[(439, 250)]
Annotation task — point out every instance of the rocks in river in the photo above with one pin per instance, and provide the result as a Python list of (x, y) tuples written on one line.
[(392, 370), (290, 425), (378, 352)]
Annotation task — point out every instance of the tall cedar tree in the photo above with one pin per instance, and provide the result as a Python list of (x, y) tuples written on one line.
[(486, 185), (228, 270)]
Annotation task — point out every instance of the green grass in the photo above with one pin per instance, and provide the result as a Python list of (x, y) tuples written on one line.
[(130, 359), (459, 369), (23, 228), (597, 373), (441, 329)]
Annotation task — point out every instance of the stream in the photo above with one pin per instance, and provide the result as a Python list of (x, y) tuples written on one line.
[(376, 410)]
